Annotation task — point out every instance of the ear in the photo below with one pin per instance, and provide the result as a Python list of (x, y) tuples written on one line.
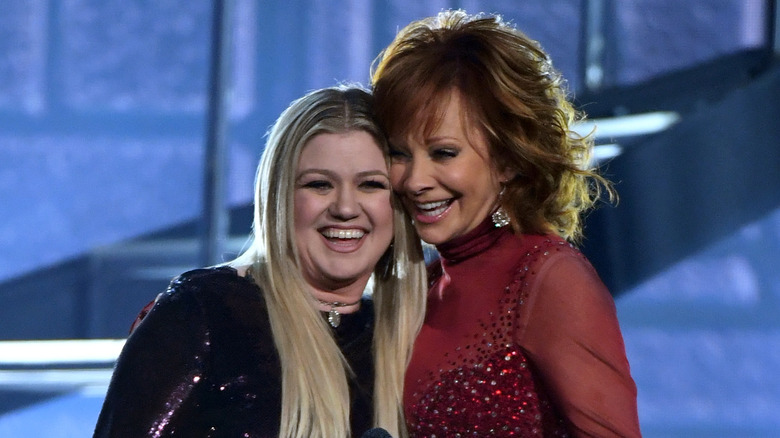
[(507, 175)]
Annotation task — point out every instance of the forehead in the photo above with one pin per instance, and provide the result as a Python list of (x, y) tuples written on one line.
[(448, 115), (345, 150)]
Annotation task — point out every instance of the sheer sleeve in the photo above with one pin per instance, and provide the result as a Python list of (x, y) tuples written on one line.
[(154, 388), (573, 337)]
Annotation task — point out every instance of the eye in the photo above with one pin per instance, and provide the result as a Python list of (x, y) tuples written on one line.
[(317, 184), (397, 154), (443, 152), (374, 184)]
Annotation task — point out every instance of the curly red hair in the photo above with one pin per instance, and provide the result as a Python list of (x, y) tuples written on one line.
[(513, 94)]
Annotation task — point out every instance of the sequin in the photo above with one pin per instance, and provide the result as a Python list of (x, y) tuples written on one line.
[(202, 363), (510, 402), (487, 386)]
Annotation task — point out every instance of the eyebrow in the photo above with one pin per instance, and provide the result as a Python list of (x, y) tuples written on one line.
[(440, 138), (333, 174)]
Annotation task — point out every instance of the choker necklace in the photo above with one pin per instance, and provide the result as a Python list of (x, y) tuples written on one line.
[(334, 317)]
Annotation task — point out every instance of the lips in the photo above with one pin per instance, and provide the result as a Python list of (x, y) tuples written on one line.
[(430, 212)]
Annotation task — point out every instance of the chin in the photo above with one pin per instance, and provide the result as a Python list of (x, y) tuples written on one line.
[(346, 278), (433, 238)]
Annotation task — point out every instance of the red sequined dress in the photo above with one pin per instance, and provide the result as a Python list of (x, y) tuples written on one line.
[(521, 338)]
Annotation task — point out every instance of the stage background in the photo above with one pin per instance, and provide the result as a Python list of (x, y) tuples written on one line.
[(103, 142)]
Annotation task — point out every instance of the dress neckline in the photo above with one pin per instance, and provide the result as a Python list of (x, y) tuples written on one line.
[(473, 243), (352, 324)]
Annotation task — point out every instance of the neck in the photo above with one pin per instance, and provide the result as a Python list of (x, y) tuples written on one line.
[(473, 243), (346, 298)]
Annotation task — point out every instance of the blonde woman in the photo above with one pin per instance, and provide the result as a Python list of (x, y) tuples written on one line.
[(282, 341)]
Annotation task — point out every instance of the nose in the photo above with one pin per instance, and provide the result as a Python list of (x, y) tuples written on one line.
[(345, 205), (417, 177)]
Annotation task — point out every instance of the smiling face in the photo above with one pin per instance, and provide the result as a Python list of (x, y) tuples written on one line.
[(446, 179), (343, 216)]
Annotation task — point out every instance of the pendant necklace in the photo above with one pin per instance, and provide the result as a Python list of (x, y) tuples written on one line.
[(334, 317)]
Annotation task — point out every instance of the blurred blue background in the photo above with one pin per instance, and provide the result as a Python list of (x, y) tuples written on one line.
[(105, 193)]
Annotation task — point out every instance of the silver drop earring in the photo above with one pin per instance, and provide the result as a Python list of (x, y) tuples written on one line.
[(500, 217)]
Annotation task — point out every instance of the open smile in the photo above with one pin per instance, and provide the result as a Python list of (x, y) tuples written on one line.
[(343, 239), (430, 212)]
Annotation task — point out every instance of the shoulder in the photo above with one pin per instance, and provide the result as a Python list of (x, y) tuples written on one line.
[(561, 289), (210, 283), (536, 251), (556, 270), (204, 277), (545, 242), (196, 291), (550, 265)]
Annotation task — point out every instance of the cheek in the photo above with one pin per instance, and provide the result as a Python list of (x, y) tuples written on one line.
[(304, 210), (381, 214), (477, 174)]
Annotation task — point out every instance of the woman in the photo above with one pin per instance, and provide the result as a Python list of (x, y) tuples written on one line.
[(281, 341), (521, 336)]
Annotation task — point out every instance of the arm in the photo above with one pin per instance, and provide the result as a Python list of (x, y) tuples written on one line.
[(574, 339), (155, 383)]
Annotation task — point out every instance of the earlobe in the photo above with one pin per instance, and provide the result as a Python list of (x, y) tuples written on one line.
[(508, 175)]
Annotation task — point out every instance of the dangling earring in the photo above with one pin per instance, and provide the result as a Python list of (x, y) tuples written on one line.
[(500, 216)]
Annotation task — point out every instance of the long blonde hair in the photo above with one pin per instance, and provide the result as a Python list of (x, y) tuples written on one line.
[(315, 394)]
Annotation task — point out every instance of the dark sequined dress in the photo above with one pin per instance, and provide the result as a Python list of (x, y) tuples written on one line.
[(520, 339), (203, 364)]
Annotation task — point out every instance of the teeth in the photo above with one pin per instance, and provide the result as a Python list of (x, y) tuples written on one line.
[(431, 205), (333, 233), (433, 208)]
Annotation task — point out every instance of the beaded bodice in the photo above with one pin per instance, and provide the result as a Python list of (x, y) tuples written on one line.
[(469, 376), (520, 338)]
